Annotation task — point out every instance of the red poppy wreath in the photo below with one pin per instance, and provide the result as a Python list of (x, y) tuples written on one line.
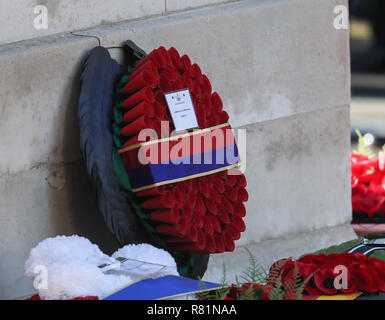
[(187, 208), (363, 273), (368, 181)]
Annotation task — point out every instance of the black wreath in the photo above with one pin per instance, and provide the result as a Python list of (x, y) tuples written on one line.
[(98, 81)]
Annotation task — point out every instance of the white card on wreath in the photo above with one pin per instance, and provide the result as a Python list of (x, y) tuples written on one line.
[(181, 109)]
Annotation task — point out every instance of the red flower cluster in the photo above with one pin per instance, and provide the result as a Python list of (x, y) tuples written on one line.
[(363, 274), (368, 183), (160, 72), (237, 293), (199, 215)]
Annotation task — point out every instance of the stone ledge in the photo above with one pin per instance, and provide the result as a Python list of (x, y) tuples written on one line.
[(178, 5), (16, 17)]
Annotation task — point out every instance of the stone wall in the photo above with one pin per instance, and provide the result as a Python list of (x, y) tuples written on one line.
[(282, 70), (17, 17)]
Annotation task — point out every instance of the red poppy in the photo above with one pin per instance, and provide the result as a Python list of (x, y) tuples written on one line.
[(363, 274), (324, 280)]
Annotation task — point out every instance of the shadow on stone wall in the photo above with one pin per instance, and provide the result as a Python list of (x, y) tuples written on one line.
[(73, 203)]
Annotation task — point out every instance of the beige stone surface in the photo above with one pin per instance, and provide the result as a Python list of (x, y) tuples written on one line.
[(298, 173), (282, 71), (17, 17)]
